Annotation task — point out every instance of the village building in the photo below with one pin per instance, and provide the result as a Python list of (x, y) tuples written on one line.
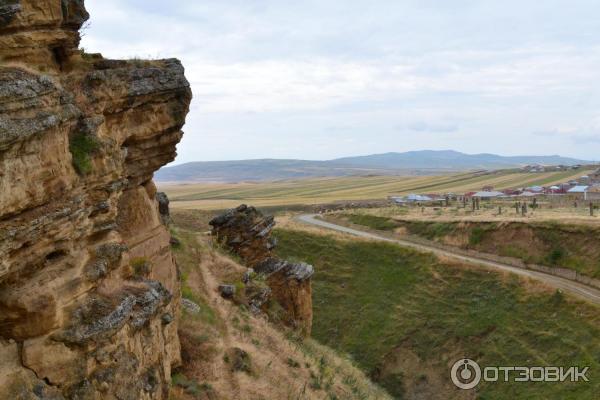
[(578, 192), (535, 189), (593, 193), (412, 198), (488, 194)]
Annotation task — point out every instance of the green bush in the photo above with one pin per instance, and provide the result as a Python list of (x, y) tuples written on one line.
[(293, 363), (556, 255), (191, 386), (476, 236), (141, 266), (81, 147)]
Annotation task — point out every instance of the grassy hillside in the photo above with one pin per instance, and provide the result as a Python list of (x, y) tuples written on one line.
[(325, 190), (405, 317), (275, 363), (550, 243)]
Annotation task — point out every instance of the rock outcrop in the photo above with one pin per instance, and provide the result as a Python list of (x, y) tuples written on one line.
[(89, 291), (291, 286), (247, 233)]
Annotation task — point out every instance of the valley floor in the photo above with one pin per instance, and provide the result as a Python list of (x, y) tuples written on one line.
[(404, 316), (407, 316)]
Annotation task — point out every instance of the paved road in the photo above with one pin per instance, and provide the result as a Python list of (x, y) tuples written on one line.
[(578, 289)]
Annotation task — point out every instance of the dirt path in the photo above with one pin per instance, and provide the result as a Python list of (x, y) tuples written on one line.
[(577, 289), (223, 309)]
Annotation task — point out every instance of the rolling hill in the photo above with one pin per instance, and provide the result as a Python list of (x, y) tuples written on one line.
[(409, 163)]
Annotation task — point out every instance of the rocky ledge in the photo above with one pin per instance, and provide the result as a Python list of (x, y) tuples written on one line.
[(89, 292), (247, 232)]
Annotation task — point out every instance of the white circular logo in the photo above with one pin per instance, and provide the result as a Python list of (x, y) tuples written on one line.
[(465, 374)]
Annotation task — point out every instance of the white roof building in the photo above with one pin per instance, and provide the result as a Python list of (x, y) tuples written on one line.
[(537, 189), (578, 189), (528, 194), (412, 198), (488, 195)]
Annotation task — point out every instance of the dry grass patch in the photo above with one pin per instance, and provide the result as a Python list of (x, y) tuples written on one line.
[(275, 364)]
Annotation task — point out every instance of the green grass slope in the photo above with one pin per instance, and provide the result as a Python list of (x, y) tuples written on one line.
[(386, 306)]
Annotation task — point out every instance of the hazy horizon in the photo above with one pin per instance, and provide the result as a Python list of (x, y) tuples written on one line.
[(319, 81), (389, 152)]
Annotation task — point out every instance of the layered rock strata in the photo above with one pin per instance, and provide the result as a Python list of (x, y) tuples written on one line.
[(247, 232), (89, 291)]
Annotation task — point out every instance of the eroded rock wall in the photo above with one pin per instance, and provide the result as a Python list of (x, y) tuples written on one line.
[(89, 292), (247, 232)]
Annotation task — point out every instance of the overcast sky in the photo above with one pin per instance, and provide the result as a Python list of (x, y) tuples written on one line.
[(330, 78)]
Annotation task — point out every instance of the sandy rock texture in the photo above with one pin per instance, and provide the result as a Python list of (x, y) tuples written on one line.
[(89, 291), (247, 232)]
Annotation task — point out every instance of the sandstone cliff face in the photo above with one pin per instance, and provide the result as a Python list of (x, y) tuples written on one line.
[(89, 291), (246, 232)]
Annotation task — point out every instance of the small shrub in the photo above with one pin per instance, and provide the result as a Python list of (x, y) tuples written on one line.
[(394, 384), (82, 146), (187, 293), (141, 266), (315, 381), (191, 386), (175, 242), (476, 236), (293, 363), (241, 361), (555, 256), (557, 298)]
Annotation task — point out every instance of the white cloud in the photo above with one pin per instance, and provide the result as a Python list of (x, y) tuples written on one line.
[(279, 70)]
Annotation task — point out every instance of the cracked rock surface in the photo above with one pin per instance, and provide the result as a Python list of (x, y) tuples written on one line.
[(80, 139), (247, 232)]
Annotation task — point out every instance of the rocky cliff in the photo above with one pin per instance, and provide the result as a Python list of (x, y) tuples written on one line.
[(89, 292), (247, 233)]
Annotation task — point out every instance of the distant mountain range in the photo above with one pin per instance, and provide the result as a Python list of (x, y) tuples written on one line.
[(409, 163)]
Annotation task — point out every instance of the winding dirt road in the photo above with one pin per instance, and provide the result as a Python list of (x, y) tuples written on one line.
[(577, 289)]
